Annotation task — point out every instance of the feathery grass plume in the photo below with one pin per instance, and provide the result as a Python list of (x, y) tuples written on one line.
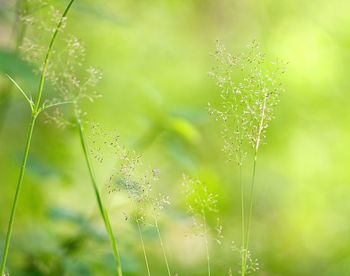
[(200, 202), (130, 176), (36, 108), (70, 86), (73, 81), (250, 89), (73, 88), (251, 264), (138, 190), (148, 206), (103, 211)]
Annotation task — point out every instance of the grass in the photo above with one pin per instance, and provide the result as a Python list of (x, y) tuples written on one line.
[(101, 206), (161, 243), (248, 98), (206, 242), (69, 94), (36, 109), (143, 246), (249, 95), (200, 202), (130, 176)]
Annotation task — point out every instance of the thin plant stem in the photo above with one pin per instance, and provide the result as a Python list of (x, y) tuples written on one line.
[(161, 244), (206, 241), (35, 111), (251, 192), (17, 193), (143, 247), (251, 203), (243, 222), (21, 90), (48, 54), (102, 209)]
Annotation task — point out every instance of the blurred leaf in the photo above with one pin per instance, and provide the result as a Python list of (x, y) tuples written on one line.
[(13, 65), (58, 213), (66, 215), (185, 129), (180, 152), (40, 168)]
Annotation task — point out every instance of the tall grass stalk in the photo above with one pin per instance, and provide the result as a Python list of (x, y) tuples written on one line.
[(242, 220), (251, 203), (206, 241), (249, 94), (143, 247), (36, 109), (161, 243), (102, 209), (200, 202), (251, 192)]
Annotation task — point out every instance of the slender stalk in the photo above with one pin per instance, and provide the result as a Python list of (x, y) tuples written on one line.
[(251, 203), (143, 247), (206, 241), (161, 243), (35, 111), (102, 209), (48, 54), (243, 221), (251, 193), (17, 193)]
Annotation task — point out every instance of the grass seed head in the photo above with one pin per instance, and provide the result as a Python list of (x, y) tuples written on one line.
[(198, 198), (249, 92), (66, 72)]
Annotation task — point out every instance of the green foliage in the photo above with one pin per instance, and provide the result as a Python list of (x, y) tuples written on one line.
[(155, 89)]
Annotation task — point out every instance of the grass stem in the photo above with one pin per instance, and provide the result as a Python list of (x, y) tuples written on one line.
[(250, 214), (251, 192), (161, 244), (206, 242), (35, 112), (48, 54), (17, 193), (242, 222), (143, 247), (102, 209)]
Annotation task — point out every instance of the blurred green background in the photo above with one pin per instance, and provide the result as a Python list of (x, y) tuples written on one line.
[(155, 57)]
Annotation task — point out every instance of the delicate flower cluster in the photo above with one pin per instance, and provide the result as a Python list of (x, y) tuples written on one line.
[(41, 19), (129, 174), (65, 72), (198, 198), (199, 203), (219, 232), (101, 142), (252, 264), (57, 118), (249, 93)]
